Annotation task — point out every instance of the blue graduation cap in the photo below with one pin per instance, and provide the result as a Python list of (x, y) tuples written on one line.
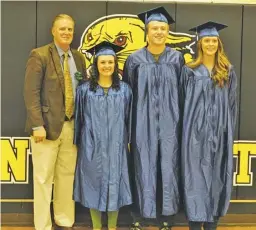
[(159, 14), (105, 48), (208, 29)]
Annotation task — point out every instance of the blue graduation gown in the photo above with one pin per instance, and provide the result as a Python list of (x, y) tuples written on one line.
[(207, 143), (102, 136), (155, 127)]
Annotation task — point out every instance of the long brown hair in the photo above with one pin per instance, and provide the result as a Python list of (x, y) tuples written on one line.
[(221, 67)]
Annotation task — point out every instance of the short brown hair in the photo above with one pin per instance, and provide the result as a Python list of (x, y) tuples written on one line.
[(62, 16)]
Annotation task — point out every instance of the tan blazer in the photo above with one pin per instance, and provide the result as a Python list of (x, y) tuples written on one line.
[(44, 89)]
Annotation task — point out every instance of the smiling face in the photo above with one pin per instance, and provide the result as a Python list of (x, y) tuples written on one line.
[(63, 31), (157, 33), (209, 45), (106, 65)]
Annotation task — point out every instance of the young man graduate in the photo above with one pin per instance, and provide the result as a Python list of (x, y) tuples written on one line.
[(153, 73)]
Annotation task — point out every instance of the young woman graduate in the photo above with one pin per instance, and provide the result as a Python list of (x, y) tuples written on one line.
[(208, 88), (102, 134)]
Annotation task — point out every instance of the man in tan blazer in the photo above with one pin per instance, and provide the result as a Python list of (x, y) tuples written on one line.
[(49, 93)]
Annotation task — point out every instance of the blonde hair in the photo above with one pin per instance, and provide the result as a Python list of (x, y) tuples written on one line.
[(221, 67), (62, 16)]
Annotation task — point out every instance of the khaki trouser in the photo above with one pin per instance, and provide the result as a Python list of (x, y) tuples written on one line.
[(54, 161)]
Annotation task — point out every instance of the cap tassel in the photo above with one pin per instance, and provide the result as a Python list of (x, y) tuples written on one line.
[(145, 31)]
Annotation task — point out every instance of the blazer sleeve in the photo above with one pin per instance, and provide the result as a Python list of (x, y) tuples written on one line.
[(34, 75)]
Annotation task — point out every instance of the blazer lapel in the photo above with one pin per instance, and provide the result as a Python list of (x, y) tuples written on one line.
[(56, 62)]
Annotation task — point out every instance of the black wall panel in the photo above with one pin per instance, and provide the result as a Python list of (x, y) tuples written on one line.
[(18, 25), (248, 83), (83, 13), (247, 99), (18, 39), (136, 8)]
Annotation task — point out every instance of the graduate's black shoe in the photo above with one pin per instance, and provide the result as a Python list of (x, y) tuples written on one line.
[(136, 226), (165, 226), (210, 225), (194, 225)]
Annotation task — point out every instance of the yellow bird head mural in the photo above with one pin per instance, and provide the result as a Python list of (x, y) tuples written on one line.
[(128, 31)]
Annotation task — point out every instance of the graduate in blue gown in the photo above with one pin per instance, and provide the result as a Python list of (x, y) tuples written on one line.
[(208, 88), (102, 134), (153, 72)]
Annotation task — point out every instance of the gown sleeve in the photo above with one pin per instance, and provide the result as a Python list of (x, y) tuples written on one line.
[(79, 118), (128, 75), (232, 95), (183, 82), (182, 61), (128, 113)]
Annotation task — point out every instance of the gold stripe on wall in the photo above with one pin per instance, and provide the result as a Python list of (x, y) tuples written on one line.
[(16, 200), (243, 201)]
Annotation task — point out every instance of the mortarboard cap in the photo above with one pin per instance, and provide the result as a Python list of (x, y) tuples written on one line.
[(208, 29), (105, 48), (157, 14)]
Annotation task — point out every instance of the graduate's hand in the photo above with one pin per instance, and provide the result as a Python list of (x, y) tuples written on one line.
[(129, 148), (39, 134)]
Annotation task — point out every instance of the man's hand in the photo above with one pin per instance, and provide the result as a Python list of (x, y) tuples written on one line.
[(39, 134)]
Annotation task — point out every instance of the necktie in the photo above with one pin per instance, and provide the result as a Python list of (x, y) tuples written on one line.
[(69, 97)]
